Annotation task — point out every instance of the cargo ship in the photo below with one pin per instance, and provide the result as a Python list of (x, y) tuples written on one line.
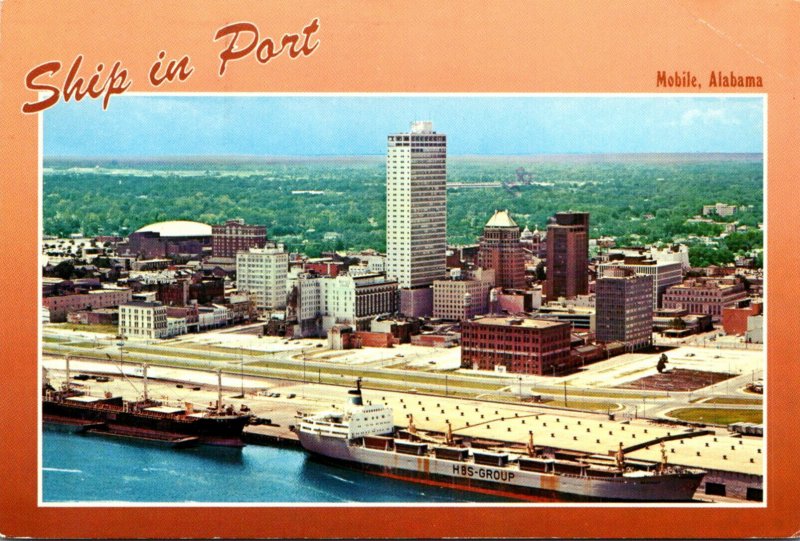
[(365, 437), (145, 419)]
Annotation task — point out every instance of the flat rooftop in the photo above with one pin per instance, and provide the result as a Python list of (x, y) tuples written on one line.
[(529, 323)]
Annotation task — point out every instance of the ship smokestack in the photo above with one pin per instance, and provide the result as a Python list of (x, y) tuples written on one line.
[(355, 394)]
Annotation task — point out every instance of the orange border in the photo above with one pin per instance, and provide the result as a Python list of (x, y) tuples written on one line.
[(411, 46)]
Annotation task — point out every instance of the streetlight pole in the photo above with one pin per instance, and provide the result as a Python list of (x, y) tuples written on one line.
[(728, 379), (565, 395)]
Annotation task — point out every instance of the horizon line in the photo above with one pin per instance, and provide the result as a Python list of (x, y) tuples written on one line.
[(383, 155)]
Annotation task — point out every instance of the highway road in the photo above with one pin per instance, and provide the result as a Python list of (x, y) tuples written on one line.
[(185, 362)]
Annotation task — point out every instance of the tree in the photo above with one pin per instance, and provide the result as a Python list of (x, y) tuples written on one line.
[(677, 323), (101, 262), (64, 270)]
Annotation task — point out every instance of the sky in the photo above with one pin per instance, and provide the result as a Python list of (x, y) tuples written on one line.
[(347, 125)]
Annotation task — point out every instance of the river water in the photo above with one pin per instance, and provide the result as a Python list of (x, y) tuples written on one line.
[(93, 468)]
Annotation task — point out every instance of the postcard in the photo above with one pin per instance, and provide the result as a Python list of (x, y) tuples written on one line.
[(370, 270)]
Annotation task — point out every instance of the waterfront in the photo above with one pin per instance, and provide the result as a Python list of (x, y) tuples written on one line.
[(124, 471)]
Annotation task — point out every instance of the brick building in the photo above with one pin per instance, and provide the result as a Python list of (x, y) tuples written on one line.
[(187, 313), (59, 306), (183, 291), (500, 249), (705, 295), (624, 308), (236, 236), (56, 286), (734, 320), (520, 345), (324, 266), (344, 337), (462, 256), (515, 302), (567, 255)]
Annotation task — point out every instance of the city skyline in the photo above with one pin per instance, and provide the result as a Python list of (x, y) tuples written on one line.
[(356, 125)]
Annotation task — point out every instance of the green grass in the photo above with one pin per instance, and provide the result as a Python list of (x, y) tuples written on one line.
[(53, 339), (719, 416), (396, 366), (82, 344), (229, 351), (178, 353), (404, 381), (598, 393), (104, 329), (740, 401)]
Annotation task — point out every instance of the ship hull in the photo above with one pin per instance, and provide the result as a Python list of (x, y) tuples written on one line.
[(501, 481), (113, 420)]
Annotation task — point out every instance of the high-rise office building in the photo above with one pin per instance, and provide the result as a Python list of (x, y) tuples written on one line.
[(416, 213), (500, 249), (624, 307), (567, 255)]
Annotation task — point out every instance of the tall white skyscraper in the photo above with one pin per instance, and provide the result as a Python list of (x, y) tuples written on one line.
[(416, 206)]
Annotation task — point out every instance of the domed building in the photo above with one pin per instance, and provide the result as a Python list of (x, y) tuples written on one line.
[(500, 249), (164, 239)]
